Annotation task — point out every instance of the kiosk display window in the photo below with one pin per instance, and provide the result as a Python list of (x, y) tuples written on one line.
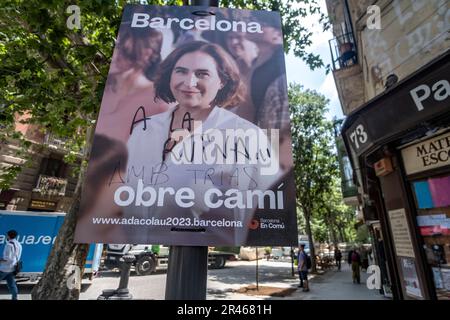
[(432, 200)]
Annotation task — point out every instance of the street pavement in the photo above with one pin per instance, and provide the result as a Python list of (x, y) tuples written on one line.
[(332, 285), (338, 285)]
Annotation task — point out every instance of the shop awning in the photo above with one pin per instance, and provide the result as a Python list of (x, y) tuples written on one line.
[(416, 99)]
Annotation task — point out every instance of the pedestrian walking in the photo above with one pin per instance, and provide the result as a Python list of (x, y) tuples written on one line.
[(364, 258), (349, 257), (356, 265), (8, 262), (338, 258), (303, 264)]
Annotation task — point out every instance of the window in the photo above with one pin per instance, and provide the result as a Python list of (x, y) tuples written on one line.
[(53, 168), (432, 199)]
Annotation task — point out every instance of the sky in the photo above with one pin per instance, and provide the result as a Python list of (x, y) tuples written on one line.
[(299, 72)]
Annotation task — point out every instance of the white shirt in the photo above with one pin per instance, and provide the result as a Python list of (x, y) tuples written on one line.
[(145, 149), (11, 253)]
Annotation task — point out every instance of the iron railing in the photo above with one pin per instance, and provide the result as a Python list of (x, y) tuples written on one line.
[(343, 51), (47, 185), (55, 142)]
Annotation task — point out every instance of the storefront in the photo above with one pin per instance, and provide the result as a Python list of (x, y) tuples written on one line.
[(42, 205), (5, 198), (427, 168), (400, 144)]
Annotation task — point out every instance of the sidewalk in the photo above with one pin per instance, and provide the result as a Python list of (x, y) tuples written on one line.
[(238, 274), (221, 284), (335, 285), (332, 285)]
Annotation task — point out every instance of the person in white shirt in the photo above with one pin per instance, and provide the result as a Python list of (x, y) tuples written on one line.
[(11, 255), (203, 80)]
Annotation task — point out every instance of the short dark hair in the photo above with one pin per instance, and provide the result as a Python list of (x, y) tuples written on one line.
[(229, 95), (302, 245), (139, 39), (12, 234)]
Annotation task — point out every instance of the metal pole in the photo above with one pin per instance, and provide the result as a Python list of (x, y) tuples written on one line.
[(188, 266), (125, 271), (206, 3), (257, 271), (187, 273), (122, 292), (292, 262)]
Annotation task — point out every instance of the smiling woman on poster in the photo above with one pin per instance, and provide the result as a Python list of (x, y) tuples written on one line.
[(197, 163)]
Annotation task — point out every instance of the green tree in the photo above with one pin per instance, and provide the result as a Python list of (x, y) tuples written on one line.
[(57, 76), (338, 219), (362, 234), (314, 159), (319, 229), (297, 37)]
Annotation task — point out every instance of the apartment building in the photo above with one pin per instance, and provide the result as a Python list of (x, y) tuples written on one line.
[(391, 65), (46, 182)]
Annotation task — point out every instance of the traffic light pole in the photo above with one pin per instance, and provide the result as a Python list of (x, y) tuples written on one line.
[(188, 266)]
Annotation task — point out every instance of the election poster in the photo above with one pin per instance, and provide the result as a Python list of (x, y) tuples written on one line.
[(192, 144)]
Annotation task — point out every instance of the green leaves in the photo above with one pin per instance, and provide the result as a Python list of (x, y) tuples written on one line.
[(297, 38), (57, 75), (315, 162), (8, 176), (47, 73)]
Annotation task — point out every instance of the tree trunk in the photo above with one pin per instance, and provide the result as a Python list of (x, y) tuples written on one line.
[(342, 234), (65, 255), (60, 280), (312, 251), (334, 239)]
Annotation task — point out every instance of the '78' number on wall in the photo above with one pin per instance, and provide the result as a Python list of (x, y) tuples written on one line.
[(358, 136)]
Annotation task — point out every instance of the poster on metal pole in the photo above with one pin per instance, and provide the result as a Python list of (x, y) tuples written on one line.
[(193, 144)]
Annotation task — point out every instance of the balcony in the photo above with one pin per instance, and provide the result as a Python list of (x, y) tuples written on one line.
[(59, 144), (343, 51), (52, 186), (55, 143)]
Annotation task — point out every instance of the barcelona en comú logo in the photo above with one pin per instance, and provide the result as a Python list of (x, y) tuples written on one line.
[(254, 224)]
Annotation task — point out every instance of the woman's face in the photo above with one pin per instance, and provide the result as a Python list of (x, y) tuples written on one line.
[(239, 46), (195, 80)]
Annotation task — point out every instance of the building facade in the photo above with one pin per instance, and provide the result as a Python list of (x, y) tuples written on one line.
[(46, 182), (391, 64)]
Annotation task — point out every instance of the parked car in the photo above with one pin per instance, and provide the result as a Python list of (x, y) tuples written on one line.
[(277, 253), (281, 252)]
